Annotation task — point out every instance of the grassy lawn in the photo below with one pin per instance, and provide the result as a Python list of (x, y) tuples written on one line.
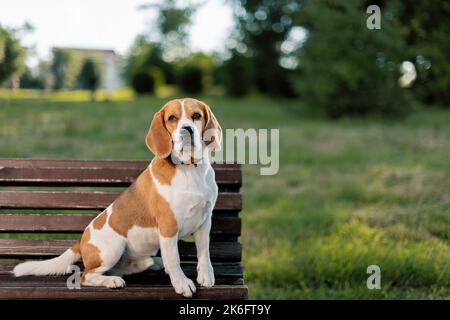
[(349, 194)]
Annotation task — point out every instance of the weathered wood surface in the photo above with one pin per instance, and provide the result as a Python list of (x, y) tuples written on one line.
[(74, 223), (68, 164), (86, 200), (35, 290), (231, 270), (112, 177), (37, 248)]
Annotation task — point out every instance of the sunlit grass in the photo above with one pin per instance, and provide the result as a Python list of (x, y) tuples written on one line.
[(349, 193), (123, 94), (339, 261)]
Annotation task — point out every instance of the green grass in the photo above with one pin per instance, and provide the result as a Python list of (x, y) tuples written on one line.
[(349, 193)]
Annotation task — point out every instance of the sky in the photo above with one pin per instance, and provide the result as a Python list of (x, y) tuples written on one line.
[(106, 24)]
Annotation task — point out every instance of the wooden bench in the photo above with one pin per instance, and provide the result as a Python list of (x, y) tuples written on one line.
[(31, 217)]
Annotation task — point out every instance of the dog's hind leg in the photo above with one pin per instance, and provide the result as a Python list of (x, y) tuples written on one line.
[(100, 257), (128, 266), (96, 278), (95, 267)]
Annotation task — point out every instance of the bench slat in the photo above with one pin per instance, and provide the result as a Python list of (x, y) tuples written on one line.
[(225, 273), (86, 200), (134, 292), (146, 280), (154, 278), (76, 164), (32, 248), (113, 177), (221, 270), (73, 223)]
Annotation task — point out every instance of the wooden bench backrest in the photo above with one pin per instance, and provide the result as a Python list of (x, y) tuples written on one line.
[(62, 196)]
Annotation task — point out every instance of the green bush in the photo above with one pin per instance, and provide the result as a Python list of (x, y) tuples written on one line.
[(191, 79), (143, 82), (29, 81), (144, 62)]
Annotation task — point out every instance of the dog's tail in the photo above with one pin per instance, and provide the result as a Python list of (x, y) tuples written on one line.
[(56, 266)]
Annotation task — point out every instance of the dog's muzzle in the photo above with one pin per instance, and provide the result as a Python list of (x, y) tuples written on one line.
[(187, 135)]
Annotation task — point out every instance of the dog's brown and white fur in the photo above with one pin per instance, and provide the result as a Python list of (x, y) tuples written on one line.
[(167, 202)]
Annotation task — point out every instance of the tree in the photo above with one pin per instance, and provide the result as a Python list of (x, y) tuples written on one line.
[(12, 55), (63, 69), (89, 76), (426, 28), (171, 28), (262, 26), (347, 69), (238, 75)]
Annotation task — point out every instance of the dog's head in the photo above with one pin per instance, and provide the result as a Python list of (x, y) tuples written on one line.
[(182, 129)]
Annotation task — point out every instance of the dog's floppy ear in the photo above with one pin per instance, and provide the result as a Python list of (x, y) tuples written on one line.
[(212, 133), (158, 139)]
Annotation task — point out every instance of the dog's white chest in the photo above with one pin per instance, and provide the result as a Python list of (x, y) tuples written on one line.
[(190, 214), (191, 196)]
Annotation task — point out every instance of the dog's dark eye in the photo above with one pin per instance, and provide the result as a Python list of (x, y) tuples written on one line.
[(196, 116), (172, 118)]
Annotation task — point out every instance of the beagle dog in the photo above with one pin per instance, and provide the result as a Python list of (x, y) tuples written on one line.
[(174, 197)]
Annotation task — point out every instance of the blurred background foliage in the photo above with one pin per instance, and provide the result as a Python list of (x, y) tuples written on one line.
[(359, 72), (319, 53)]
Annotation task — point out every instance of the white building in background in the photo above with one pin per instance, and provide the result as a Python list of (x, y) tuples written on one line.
[(111, 75), (109, 61)]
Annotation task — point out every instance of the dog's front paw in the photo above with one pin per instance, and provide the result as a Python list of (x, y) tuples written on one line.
[(183, 285), (205, 276)]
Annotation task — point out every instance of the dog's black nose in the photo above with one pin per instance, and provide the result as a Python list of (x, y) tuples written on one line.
[(188, 129)]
